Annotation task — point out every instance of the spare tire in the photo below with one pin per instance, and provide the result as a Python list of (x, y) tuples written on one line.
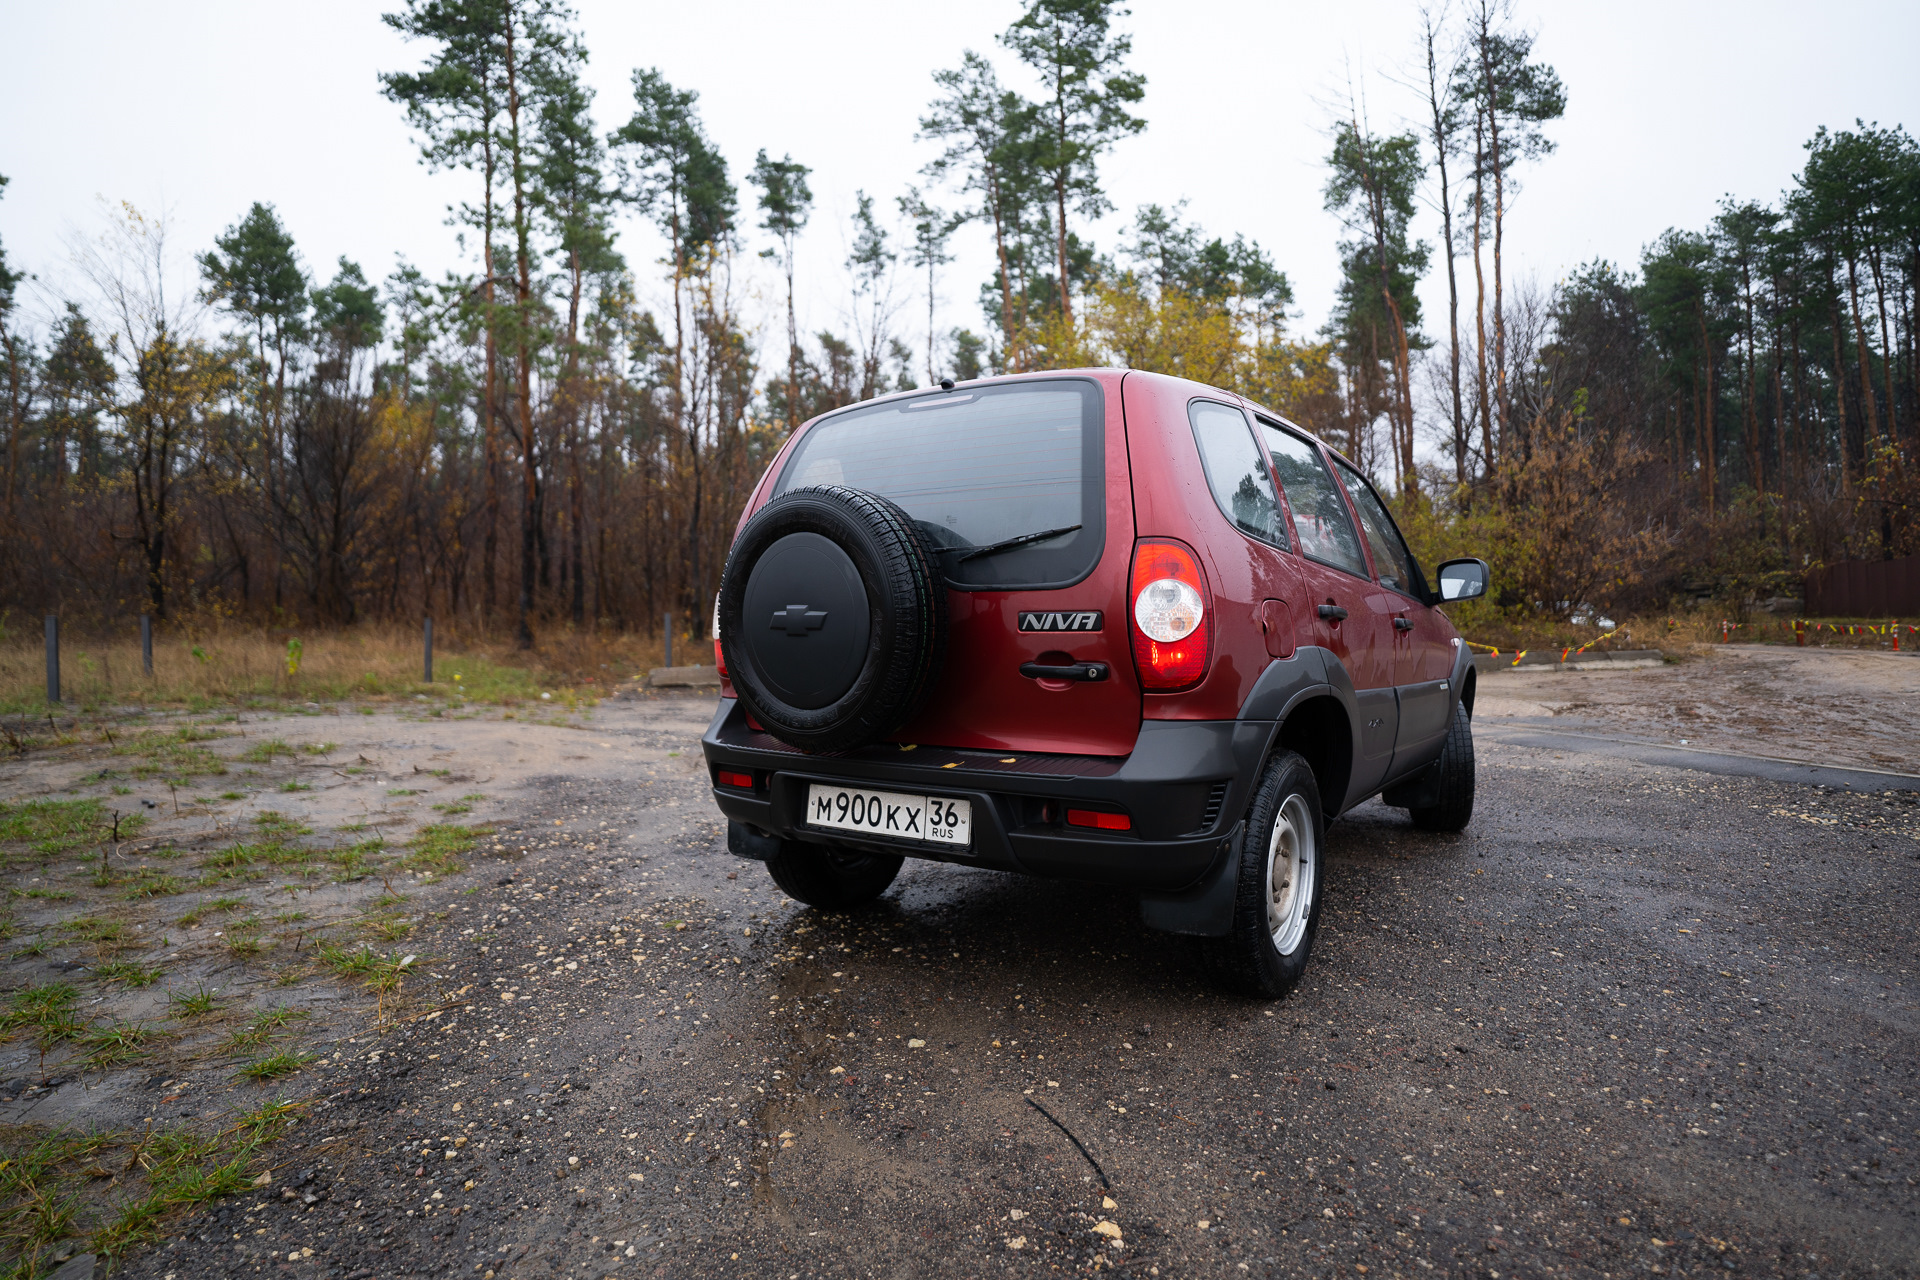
[(833, 618)]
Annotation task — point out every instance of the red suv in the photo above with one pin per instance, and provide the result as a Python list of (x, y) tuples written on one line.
[(1099, 625)]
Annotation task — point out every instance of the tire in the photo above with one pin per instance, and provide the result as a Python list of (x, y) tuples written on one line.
[(1265, 953), (829, 878), (858, 614), (1451, 788)]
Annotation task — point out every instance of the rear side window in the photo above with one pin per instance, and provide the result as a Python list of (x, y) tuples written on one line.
[(1236, 472), (1319, 516), (1390, 556), (980, 472)]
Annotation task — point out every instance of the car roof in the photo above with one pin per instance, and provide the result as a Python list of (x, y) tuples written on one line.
[(1101, 374)]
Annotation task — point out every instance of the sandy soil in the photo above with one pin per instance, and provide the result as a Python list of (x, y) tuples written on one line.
[(1830, 706)]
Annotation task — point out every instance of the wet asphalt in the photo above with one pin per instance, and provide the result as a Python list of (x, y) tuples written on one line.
[(1639, 1019)]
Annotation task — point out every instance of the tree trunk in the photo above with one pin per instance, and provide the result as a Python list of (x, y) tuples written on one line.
[(523, 294), (1480, 293), (490, 442)]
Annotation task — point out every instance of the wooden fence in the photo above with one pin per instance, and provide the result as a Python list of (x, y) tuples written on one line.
[(1865, 589)]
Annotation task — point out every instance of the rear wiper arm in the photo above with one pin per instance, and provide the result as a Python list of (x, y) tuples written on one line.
[(1008, 544)]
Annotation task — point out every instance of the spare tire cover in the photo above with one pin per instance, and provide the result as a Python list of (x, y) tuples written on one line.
[(832, 618)]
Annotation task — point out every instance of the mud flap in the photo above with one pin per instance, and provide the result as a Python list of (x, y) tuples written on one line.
[(750, 842), (1421, 791), (1206, 909)]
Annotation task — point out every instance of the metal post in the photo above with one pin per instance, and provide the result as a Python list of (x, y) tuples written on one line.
[(53, 658), (146, 642), (429, 650), (668, 632)]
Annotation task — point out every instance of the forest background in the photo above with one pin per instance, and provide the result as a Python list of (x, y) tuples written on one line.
[(559, 438)]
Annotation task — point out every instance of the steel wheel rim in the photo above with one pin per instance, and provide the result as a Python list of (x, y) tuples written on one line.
[(1291, 865)]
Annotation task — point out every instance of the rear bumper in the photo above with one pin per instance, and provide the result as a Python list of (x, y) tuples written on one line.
[(1184, 787)]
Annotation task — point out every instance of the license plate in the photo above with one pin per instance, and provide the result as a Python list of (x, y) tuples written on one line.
[(931, 819)]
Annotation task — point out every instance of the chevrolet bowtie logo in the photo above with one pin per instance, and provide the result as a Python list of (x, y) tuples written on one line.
[(796, 620)]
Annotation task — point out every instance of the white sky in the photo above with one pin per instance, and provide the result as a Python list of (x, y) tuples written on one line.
[(201, 109)]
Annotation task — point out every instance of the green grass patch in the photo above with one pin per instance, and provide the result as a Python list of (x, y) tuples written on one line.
[(262, 1027), (54, 827), (106, 1193), (128, 973), (356, 860), (366, 966), (284, 1063), (95, 929), (147, 883), (279, 826), (50, 895), (264, 752), (463, 805), (296, 786), (232, 795), (121, 1042), (193, 1004), (174, 755), (438, 848), (320, 748)]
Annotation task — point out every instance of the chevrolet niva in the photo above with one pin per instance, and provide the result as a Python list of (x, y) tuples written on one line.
[(1100, 625)]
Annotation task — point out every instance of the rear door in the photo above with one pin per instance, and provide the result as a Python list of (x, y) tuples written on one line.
[(1336, 580), (1422, 660), (982, 471)]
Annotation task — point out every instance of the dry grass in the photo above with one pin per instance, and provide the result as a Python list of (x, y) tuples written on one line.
[(205, 667)]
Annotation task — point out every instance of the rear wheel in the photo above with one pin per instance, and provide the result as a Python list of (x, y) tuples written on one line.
[(830, 878), (1276, 910), (1451, 788)]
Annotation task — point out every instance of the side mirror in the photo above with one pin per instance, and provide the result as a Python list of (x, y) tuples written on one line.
[(1463, 580)]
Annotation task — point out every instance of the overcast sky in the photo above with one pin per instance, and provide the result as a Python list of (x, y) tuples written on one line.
[(200, 109)]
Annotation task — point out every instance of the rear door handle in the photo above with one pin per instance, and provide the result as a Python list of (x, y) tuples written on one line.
[(1403, 624), (1088, 672), (1333, 613)]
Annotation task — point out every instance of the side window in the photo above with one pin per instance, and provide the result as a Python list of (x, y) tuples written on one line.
[(1390, 555), (1235, 471), (1319, 517)]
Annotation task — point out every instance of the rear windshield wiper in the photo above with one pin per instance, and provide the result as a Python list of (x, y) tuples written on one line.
[(1008, 544)]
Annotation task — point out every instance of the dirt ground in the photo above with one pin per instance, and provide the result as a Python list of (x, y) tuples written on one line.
[(530, 1019), (1834, 706)]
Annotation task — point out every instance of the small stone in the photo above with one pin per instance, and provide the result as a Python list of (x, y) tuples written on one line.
[(1326, 1213), (916, 1044), (1018, 1242), (571, 1160), (1108, 1202), (1111, 1230), (78, 1267), (1204, 1223), (1016, 1214), (836, 1071)]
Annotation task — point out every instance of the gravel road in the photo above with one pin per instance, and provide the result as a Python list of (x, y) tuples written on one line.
[(1638, 1018)]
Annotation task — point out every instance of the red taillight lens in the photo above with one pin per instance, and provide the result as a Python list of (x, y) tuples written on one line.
[(1099, 821), (728, 778), (1172, 633), (719, 658)]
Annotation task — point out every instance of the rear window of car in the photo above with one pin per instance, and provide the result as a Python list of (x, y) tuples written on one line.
[(976, 469)]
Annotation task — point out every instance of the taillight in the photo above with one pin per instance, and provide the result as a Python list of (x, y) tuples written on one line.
[(1098, 820), (1171, 633), (728, 778), (719, 658)]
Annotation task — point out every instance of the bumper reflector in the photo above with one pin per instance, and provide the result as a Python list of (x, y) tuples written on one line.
[(728, 778), (1100, 821)]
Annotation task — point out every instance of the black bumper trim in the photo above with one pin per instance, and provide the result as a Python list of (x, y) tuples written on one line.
[(1165, 785)]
